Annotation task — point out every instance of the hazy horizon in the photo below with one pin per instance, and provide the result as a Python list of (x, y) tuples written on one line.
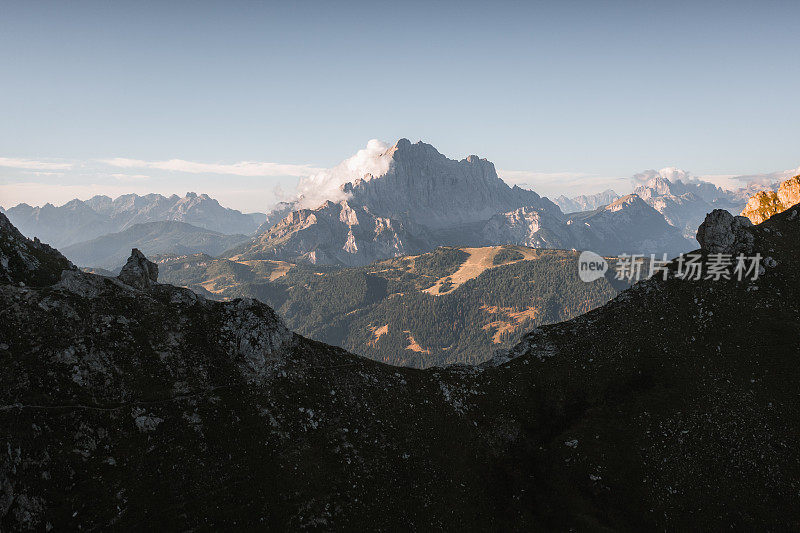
[(241, 101)]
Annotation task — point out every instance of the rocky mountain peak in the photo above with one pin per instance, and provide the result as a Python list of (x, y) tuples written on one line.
[(139, 272), (423, 185)]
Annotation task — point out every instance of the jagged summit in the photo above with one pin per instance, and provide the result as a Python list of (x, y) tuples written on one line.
[(586, 202), (421, 184)]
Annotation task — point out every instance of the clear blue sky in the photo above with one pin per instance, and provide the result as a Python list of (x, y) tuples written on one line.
[(597, 89)]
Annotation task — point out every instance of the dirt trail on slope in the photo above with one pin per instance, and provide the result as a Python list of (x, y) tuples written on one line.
[(479, 260)]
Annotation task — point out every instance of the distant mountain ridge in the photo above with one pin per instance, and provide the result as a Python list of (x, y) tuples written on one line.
[(684, 204), (586, 202), (167, 236), (422, 199), (78, 221)]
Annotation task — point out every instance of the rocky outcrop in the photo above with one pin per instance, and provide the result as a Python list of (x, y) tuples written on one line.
[(764, 204), (139, 272), (336, 233), (724, 233), (28, 262), (527, 226)]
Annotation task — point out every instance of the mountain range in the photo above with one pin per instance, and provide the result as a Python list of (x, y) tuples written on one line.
[(586, 202), (685, 204), (79, 221), (124, 401), (406, 200), (421, 200)]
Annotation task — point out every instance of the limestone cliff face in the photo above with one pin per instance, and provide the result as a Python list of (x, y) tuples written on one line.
[(764, 204), (336, 233), (438, 192), (422, 200)]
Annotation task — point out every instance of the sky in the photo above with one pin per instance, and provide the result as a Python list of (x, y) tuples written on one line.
[(241, 100)]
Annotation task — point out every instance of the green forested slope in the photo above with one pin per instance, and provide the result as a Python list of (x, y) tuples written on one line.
[(383, 311)]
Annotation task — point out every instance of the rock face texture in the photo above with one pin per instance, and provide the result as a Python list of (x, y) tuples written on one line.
[(423, 200), (673, 407), (425, 186), (139, 272), (79, 221), (336, 233), (724, 233), (764, 204)]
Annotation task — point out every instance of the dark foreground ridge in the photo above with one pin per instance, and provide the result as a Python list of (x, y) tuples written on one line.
[(125, 402)]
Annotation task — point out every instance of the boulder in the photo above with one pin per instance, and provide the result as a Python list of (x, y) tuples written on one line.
[(721, 232)]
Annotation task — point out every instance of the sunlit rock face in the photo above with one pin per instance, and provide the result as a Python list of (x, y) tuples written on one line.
[(764, 204)]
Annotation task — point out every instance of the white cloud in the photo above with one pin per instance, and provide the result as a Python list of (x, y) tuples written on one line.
[(767, 178), (730, 182), (324, 185), (130, 177), (30, 164), (242, 168), (670, 173)]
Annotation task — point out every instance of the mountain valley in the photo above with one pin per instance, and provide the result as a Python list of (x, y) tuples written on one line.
[(669, 407)]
